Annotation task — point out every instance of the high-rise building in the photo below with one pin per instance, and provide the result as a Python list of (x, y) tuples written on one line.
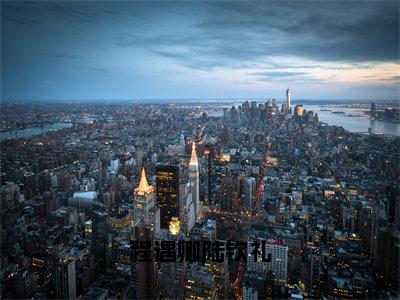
[(10, 195), (225, 136), (220, 271), (171, 275), (194, 181), (186, 208), (101, 240), (315, 269), (249, 191), (385, 256), (226, 113), (114, 165), (288, 99), (143, 272), (65, 278), (233, 113), (279, 260), (373, 110), (257, 287), (144, 200), (200, 283), (167, 190), (228, 191), (299, 110), (26, 282)]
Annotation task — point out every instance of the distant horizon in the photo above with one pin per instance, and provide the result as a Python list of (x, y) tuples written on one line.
[(192, 100)]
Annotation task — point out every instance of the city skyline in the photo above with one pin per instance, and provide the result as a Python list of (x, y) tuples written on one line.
[(199, 50), (261, 201), (230, 149)]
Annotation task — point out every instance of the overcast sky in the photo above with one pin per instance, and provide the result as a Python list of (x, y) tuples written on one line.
[(199, 50)]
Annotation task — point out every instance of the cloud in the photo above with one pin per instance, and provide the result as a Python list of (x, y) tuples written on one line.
[(207, 43), (271, 74), (235, 31), (395, 79), (56, 55), (283, 76), (319, 30), (36, 12), (96, 69), (239, 33)]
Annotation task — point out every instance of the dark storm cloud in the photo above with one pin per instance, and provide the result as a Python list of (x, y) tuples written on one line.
[(61, 41), (223, 32), (348, 31), (352, 30), (31, 12)]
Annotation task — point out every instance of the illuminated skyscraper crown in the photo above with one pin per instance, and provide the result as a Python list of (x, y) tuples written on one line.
[(174, 226), (144, 188)]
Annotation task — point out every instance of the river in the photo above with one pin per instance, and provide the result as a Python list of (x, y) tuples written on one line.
[(352, 120), (28, 132)]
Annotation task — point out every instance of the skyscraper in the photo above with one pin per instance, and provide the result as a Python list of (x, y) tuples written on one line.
[(315, 269), (279, 260), (249, 191), (194, 181), (101, 240), (299, 110), (373, 110), (209, 154), (144, 199), (200, 283), (143, 271), (65, 280), (167, 190), (288, 99)]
